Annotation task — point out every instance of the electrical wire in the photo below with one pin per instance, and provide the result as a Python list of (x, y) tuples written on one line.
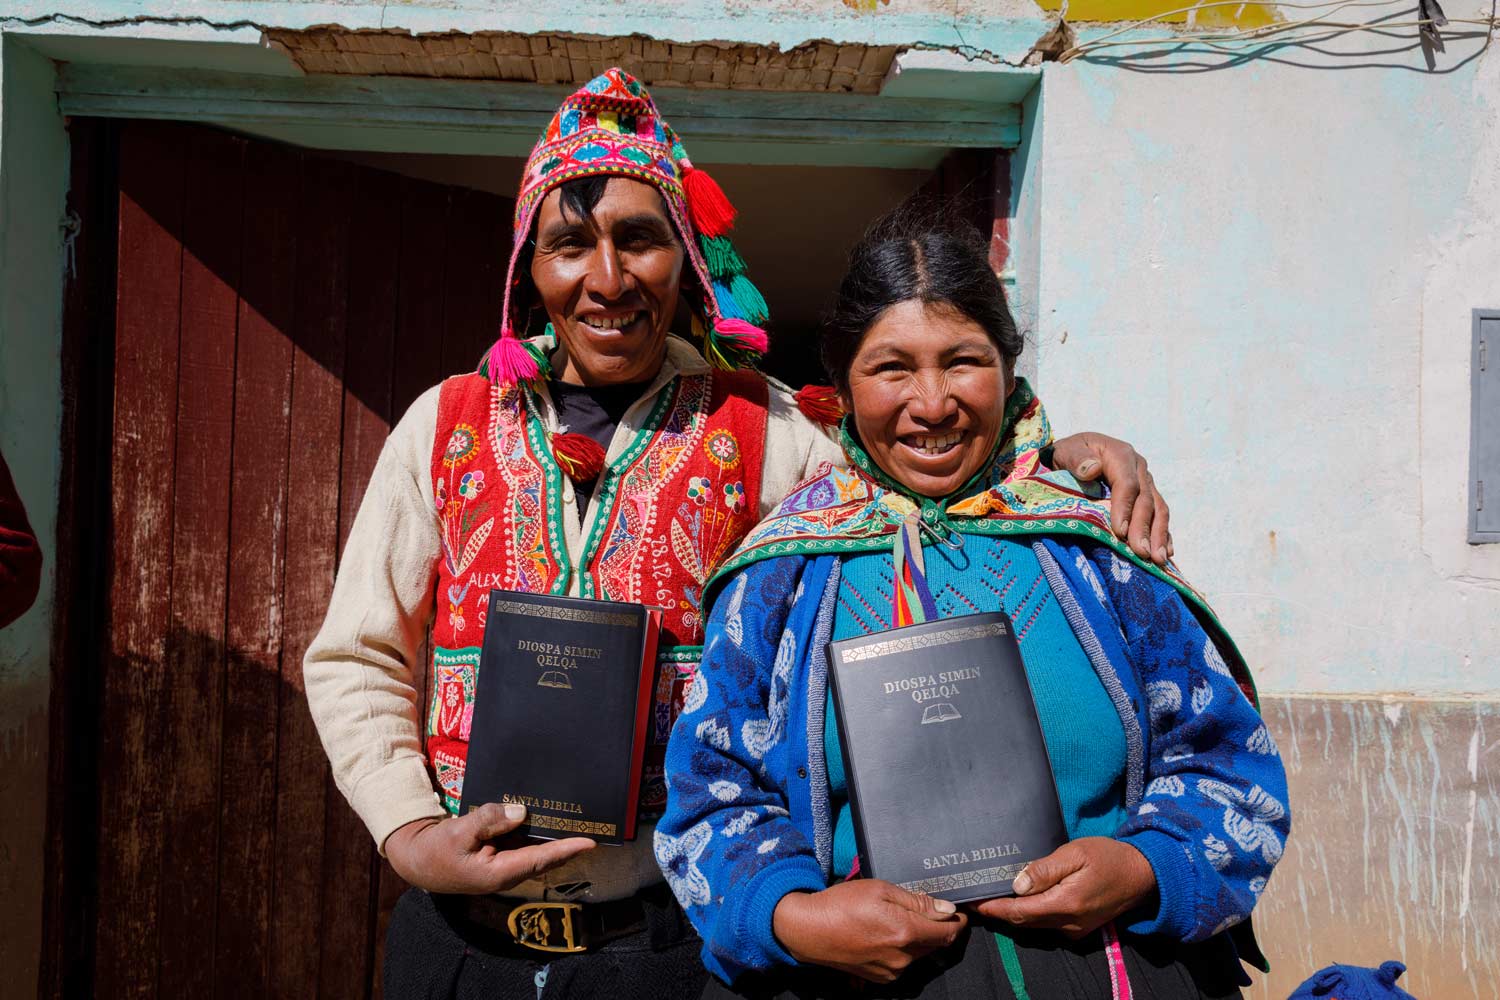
[(1235, 37)]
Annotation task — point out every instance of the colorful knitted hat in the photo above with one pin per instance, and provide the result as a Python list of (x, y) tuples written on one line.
[(611, 127)]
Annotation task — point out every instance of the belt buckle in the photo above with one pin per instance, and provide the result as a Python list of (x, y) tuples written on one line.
[(530, 926)]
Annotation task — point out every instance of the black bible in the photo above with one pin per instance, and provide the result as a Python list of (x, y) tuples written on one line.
[(949, 781), (560, 713)]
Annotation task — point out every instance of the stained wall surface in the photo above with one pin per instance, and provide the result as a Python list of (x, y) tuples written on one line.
[(1262, 274)]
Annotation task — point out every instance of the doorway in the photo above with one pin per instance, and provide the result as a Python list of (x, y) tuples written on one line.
[(244, 323)]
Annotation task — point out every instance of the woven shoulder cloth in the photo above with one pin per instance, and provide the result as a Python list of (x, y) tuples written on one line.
[(860, 508)]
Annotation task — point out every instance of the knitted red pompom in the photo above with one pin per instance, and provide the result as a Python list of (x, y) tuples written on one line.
[(712, 212), (820, 404), (510, 362), (579, 456)]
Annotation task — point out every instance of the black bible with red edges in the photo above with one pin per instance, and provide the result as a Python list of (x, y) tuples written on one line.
[(561, 711)]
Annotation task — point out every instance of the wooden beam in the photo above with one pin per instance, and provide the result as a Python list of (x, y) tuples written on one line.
[(509, 116)]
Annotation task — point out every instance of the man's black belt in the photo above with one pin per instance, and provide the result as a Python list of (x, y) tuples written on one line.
[(544, 925)]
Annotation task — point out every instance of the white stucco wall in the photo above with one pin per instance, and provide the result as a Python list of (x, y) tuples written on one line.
[(33, 149), (1263, 276)]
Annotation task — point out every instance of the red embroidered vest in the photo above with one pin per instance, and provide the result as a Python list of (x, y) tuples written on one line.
[(670, 507)]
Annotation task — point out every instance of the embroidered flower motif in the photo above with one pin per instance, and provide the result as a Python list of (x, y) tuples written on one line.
[(696, 695), (709, 731), (462, 444), (1087, 569), (1203, 694), (760, 735), (1248, 817), (724, 791), (1261, 741), (739, 824), (1215, 659), (1217, 852), (471, 485), (723, 449), (734, 624), (1168, 784), (439, 495), (1163, 699), (456, 619), (734, 496), (698, 489), (678, 858)]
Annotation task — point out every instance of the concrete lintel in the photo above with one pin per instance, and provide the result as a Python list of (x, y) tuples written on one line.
[(396, 114), (934, 73), (982, 29)]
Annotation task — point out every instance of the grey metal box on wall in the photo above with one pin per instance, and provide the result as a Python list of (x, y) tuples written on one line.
[(1484, 429)]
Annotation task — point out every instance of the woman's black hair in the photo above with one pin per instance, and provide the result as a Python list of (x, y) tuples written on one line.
[(918, 252)]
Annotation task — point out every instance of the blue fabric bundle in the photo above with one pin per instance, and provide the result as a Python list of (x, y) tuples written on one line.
[(1351, 982)]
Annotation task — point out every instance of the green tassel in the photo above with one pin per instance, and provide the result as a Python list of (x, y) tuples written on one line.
[(543, 366), (749, 299), (722, 258)]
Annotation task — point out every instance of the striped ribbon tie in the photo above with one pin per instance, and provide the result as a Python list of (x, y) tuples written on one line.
[(913, 598)]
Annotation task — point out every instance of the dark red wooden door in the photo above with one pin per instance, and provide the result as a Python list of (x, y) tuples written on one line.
[(274, 312)]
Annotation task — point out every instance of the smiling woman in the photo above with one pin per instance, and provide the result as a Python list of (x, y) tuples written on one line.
[(922, 350), (1160, 760)]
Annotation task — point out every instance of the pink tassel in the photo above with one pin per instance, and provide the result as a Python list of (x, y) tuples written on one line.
[(713, 213), (742, 334), (510, 362)]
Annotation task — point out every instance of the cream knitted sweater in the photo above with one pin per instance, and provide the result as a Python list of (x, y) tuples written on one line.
[(361, 669)]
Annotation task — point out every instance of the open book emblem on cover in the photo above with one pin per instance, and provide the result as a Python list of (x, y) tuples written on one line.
[(941, 712), (554, 679)]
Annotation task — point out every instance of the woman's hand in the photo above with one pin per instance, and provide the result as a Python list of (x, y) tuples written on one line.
[(1137, 511), (456, 855), (867, 927), (1077, 888)]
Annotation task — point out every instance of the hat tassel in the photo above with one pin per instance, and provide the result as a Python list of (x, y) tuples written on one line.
[(510, 362), (711, 210), (731, 342)]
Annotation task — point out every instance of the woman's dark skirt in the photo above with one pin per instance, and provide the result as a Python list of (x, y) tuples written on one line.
[(1052, 968), (431, 954)]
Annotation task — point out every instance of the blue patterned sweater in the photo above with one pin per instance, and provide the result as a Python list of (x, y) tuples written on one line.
[(748, 817)]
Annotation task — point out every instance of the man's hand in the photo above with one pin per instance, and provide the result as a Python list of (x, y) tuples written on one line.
[(1137, 511), (1077, 888), (456, 855), (867, 927)]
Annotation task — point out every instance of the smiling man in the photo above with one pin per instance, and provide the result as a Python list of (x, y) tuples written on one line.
[(592, 454)]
